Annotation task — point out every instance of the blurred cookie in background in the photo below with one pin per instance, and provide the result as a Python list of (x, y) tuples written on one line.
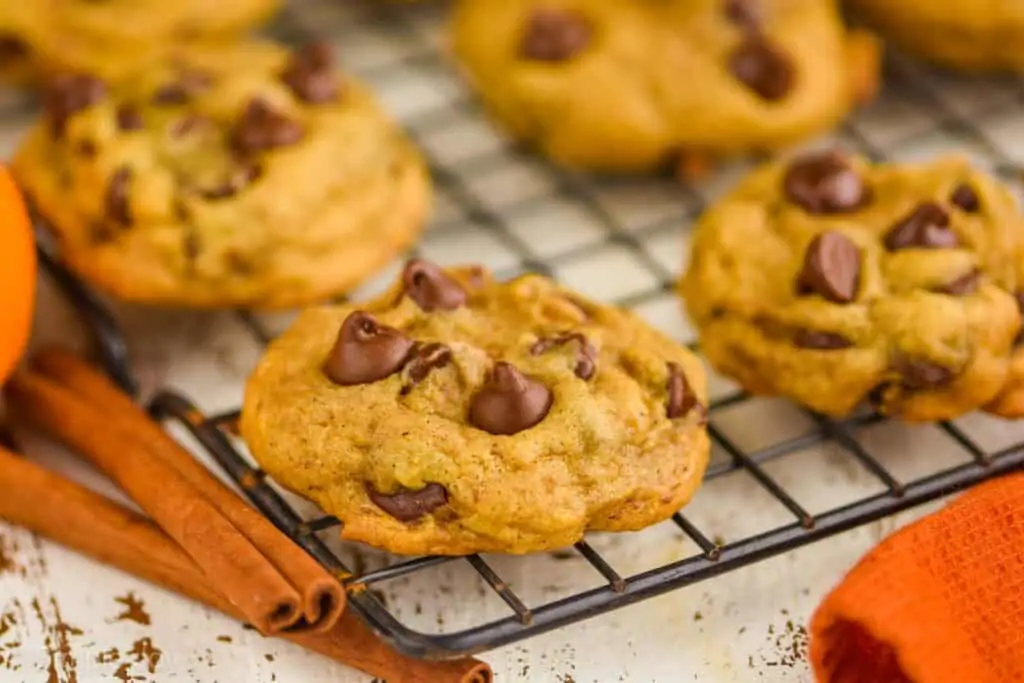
[(982, 36), (833, 280), (228, 176), (113, 38), (632, 85)]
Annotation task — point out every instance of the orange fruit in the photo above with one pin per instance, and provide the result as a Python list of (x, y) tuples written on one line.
[(17, 274)]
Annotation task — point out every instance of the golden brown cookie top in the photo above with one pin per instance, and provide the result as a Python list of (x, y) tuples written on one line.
[(625, 84), (519, 413), (897, 281), (230, 175)]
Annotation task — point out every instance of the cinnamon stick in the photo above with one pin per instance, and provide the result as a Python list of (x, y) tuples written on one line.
[(73, 516), (228, 559), (322, 596)]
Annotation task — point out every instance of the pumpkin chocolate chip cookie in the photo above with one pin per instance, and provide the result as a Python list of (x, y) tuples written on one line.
[(243, 176), (456, 414), (831, 280), (629, 85), (115, 38), (987, 36)]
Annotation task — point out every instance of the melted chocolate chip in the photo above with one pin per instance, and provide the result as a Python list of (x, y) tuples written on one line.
[(310, 76), (763, 67), (820, 341), (68, 95), (128, 118), (745, 14), (509, 402), (681, 397), (920, 374), (408, 505), (825, 183), (366, 351), (965, 198), (431, 288), (261, 128), (116, 202), (927, 227), (831, 268), (586, 354), (963, 285), (555, 35), (423, 359)]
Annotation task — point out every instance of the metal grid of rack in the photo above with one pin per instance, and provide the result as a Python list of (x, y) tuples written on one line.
[(468, 161)]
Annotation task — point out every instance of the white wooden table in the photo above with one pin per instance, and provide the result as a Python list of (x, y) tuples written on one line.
[(65, 619)]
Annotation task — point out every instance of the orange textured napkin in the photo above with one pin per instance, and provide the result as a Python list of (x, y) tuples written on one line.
[(940, 601)]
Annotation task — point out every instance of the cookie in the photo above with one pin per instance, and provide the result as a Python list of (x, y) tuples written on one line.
[(985, 37), (630, 85), (115, 38), (456, 414), (243, 176), (832, 280)]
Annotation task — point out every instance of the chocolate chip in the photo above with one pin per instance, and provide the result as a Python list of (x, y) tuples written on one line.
[(555, 35), (763, 67), (681, 397), (234, 184), (586, 354), (422, 360), (966, 198), (431, 288), (117, 202), (821, 341), (407, 505), (12, 48), (745, 14), (831, 268), (963, 285), (825, 183), (181, 91), (366, 351), (86, 148), (68, 95), (927, 227), (261, 128), (310, 76), (128, 117), (920, 374), (509, 402)]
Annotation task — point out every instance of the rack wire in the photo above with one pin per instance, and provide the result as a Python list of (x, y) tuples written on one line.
[(935, 110)]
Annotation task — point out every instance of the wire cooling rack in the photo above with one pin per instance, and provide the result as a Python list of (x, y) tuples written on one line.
[(498, 203)]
